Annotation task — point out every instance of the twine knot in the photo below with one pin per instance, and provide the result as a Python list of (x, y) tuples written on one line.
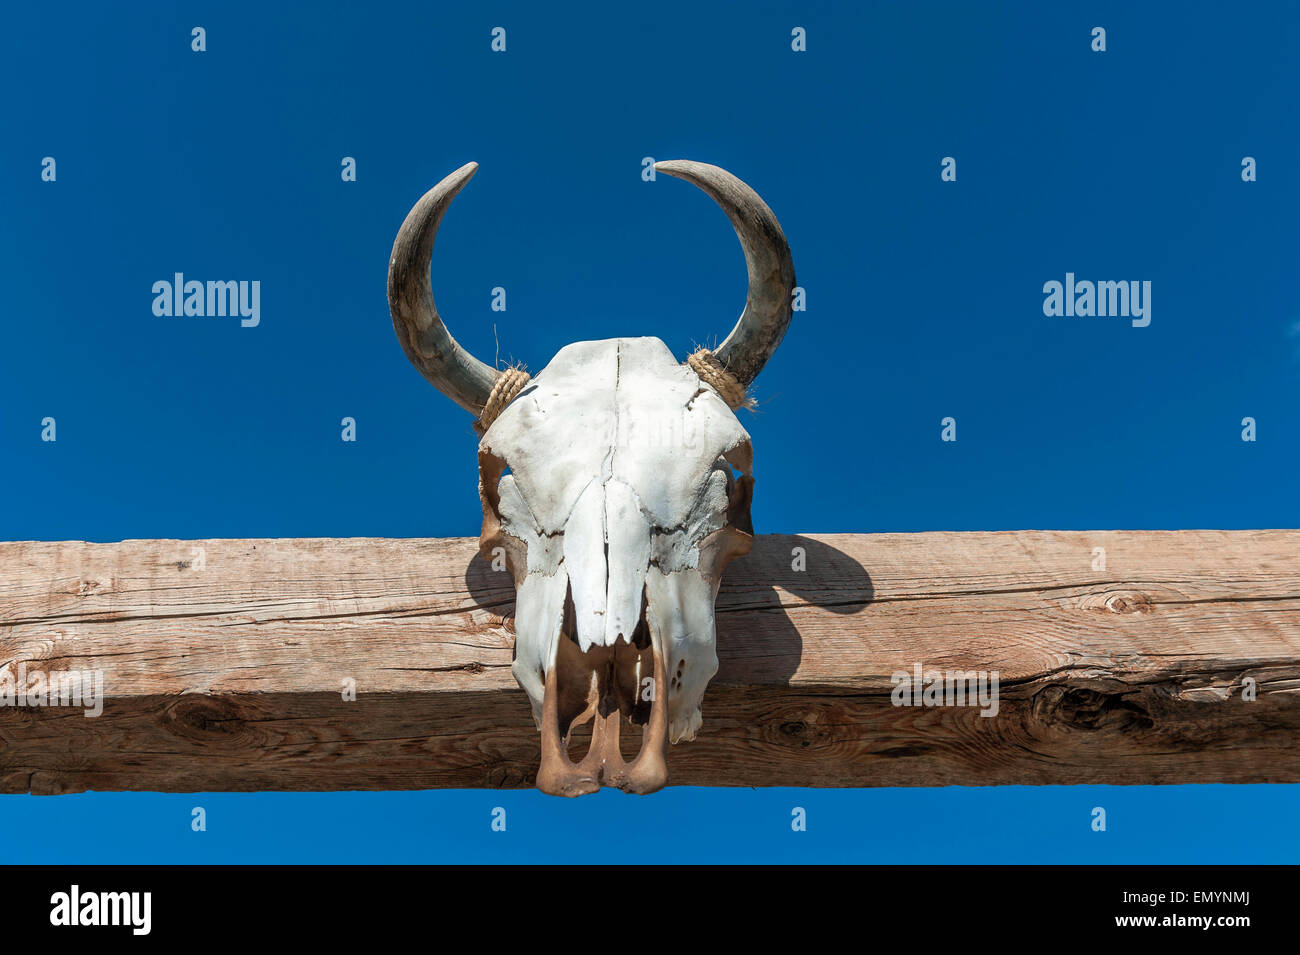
[(713, 373), (508, 385)]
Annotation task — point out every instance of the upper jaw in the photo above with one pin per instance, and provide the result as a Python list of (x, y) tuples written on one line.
[(606, 705)]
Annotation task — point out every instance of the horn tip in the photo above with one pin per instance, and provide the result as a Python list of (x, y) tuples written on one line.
[(461, 176), (692, 171)]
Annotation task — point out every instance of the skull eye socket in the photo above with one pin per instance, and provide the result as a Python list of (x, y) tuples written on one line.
[(740, 496)]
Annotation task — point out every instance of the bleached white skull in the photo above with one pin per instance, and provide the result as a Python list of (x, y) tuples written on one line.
[(616, 483)]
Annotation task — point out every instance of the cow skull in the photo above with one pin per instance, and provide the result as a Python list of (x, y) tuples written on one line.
[(616, 484)]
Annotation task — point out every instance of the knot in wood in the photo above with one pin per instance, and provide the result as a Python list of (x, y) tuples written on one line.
[(1089, 710), (1128, 601), (1117, 601), (204, 718)]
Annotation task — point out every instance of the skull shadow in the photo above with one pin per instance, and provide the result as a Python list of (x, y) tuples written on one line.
[(758, 642)]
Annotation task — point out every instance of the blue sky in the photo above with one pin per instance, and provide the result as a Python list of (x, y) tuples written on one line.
[(924, 301)]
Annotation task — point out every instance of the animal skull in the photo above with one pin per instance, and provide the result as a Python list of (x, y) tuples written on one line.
[(608, 484)]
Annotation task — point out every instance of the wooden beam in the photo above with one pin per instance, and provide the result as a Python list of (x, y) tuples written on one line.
[(224, 663)]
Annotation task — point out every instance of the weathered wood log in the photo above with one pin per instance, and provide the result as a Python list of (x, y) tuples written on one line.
[(224, 663)]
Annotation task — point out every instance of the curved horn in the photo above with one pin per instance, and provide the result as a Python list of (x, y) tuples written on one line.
[(425, 339), (767, 311)]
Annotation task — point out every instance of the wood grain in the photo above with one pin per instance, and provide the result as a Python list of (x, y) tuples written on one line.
[(226, 673)]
